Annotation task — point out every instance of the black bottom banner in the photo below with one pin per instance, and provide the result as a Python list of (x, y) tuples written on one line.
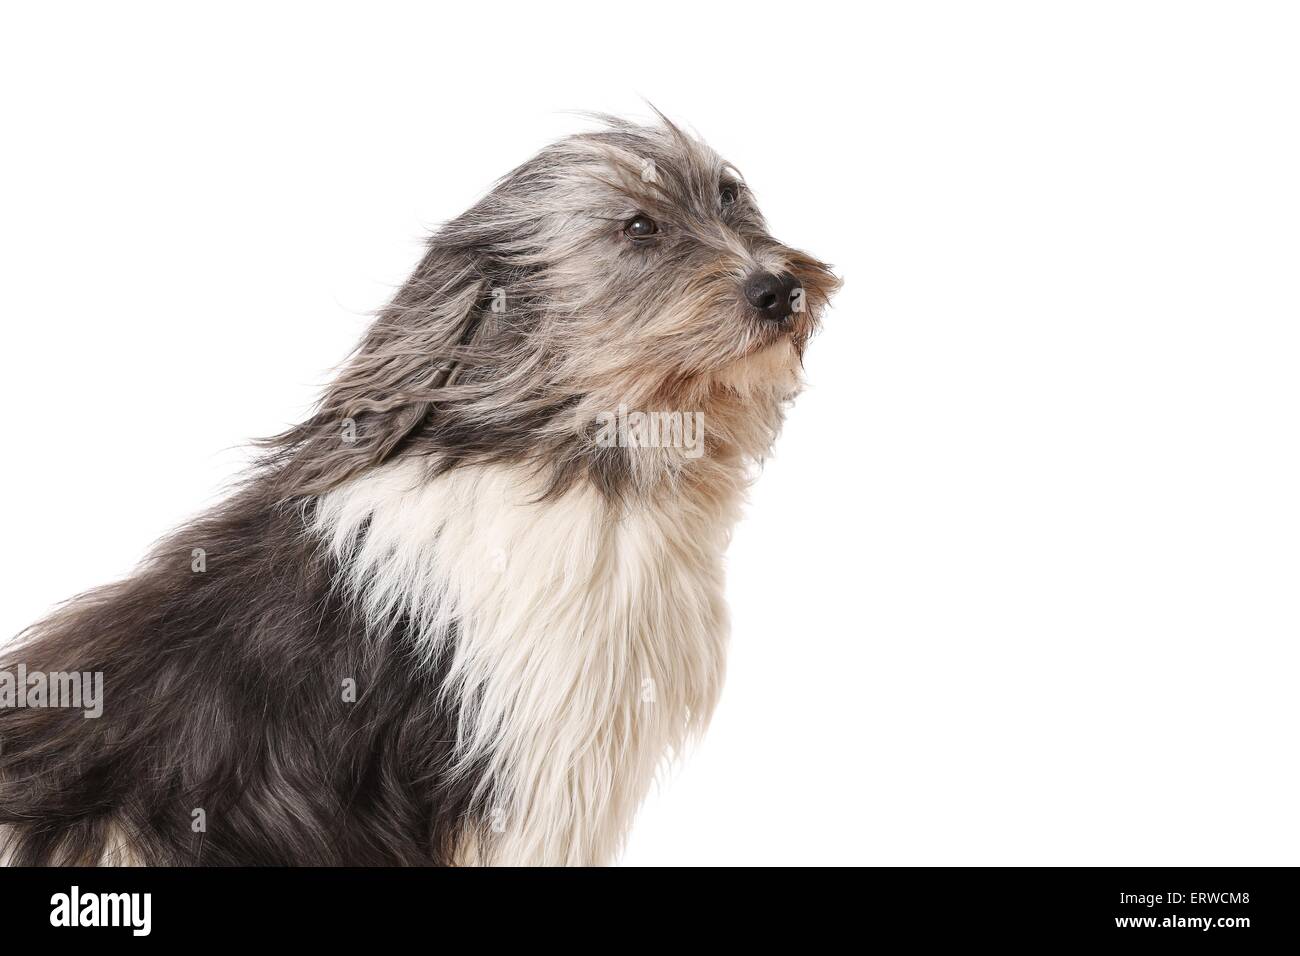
[(1219, 907)]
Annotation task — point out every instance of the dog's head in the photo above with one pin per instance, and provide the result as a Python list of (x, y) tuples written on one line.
[(628, 268)]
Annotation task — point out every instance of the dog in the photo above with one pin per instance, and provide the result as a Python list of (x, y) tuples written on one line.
[(464, 611)]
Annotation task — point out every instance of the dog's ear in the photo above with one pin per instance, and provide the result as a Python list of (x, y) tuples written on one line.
[(412, 355)]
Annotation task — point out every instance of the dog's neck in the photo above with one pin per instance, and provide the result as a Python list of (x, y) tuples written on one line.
[(585, 631), (719, 426), (586, 638)]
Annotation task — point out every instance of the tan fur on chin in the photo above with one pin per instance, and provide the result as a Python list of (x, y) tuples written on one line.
[(774, 372)]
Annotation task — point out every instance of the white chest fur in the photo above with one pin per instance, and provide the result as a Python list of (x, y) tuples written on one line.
[(589, 643)]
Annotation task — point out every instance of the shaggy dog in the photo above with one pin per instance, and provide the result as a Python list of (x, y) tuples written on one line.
[(464, 611)]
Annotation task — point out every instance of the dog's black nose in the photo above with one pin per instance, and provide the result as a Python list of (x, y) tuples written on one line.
[(771, 295)]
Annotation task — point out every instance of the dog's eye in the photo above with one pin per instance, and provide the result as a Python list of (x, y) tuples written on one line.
[(639, 227), (728, 195)]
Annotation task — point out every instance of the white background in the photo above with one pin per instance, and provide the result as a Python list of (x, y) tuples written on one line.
[(1019, 584)]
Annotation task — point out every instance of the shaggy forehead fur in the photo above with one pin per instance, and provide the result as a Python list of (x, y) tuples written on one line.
[(533, 313)]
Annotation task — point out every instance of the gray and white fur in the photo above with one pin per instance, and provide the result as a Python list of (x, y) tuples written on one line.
[(532, 618)]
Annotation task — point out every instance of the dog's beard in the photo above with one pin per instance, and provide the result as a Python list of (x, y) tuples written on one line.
[(772, 370)]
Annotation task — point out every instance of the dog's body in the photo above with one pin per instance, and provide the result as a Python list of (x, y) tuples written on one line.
[(440, 623)]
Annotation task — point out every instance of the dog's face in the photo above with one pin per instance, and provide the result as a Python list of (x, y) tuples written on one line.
[(629, 267), (646, 265)]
